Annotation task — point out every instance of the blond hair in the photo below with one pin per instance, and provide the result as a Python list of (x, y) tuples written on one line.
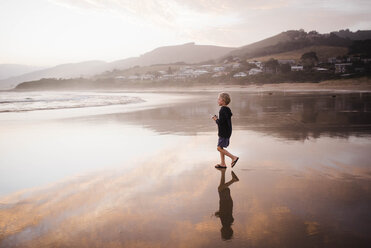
[(226, 98)]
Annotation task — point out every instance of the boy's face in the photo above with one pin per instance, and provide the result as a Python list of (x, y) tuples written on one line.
[(221, 101)]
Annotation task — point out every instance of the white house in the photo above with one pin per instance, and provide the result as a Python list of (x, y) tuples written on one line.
[(236, 65), (255, 71), (147, 77), (297, 68), (240, 74), (219, 68), (219, 74), (200, 72), (342, 68), (320, 69)]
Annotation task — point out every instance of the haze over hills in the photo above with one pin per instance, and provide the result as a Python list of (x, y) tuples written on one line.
[(187, 53), (60, 71), (290, 44), (11, 70)]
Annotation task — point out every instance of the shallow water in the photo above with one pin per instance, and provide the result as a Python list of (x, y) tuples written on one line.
[(146, 178)]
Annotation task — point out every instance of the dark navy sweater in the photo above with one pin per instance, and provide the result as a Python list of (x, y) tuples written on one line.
[(224, 122)]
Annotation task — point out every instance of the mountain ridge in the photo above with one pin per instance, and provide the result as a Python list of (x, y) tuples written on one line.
[(188, 53)]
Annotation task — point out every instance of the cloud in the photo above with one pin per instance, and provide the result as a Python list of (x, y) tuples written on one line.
[(234, 23)]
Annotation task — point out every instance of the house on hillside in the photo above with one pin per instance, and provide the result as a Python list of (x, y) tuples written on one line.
[(219, 74), (219, 68), (236, 65), (297, 68), (147, 77), (255, 71), (200, 72), (331, 60), (257, 63), (343, 67), (320, 69), (240, 74), (120, 77)]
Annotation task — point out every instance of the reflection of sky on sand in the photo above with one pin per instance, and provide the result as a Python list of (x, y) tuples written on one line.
[(288, 195), (48, 152), (146, 178)]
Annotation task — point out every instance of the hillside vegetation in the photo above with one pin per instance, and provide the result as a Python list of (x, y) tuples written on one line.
[(323, 53)]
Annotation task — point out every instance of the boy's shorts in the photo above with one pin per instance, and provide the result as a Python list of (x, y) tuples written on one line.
[(223, 142)]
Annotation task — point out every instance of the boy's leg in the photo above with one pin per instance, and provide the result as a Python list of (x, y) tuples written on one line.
[(225, 152), (223, 184), (222, 157)]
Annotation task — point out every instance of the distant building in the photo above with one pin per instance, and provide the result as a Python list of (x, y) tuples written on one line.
[(219, 74), (320, 69), (219, 68), (297, 68), (236, 65), (342, 68), (255, 71), (147, 77), (200, 72), (257, 63), (240, 74), (331, 60)]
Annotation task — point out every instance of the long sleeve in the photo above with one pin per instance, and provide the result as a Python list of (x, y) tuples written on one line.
[(224, 122)]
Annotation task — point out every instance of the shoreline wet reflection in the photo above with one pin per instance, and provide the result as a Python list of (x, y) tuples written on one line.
[(292, 115), (170, 199), (304, 178)]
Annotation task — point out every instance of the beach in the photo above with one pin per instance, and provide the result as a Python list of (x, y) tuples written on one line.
[(141, 174)]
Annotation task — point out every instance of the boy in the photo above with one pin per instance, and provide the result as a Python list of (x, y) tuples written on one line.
[(224, 130)]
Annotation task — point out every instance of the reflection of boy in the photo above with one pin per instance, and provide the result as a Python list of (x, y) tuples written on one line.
[(224, 129), (226, 205)]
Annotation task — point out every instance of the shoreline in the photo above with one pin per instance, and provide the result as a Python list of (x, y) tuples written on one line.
[(350, 85)]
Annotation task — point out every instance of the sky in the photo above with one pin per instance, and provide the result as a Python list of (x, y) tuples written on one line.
[(52, 32)]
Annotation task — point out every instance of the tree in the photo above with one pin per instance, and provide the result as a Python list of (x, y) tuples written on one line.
[(271, 65), (285, 68), (309, 60)]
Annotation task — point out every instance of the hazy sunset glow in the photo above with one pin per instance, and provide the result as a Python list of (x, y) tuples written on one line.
[(51, 32)]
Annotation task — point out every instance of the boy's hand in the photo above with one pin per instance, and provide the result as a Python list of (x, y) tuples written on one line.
[(214, 118)]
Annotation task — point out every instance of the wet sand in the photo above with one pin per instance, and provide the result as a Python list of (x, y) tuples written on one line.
[(146, 178)]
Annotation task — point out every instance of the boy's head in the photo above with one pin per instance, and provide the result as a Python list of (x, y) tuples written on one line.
[(224, 99)]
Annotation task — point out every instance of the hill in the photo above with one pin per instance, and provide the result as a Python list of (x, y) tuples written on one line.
[(289, 41), (187, 53), (359, 35), (72, 70), (323, 53), (12, 70)]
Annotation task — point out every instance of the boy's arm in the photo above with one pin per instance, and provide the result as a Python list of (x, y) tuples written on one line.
[(222, 117)]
